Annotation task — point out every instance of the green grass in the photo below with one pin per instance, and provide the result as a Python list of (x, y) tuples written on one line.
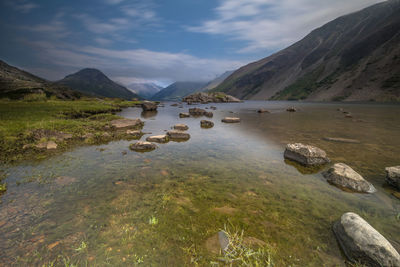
[(19, 120)]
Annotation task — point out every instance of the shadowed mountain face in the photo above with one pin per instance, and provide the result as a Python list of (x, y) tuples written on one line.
[(16, 83), (217, 81), (94, 82), (145, 90), (178, 90), (354, 57)]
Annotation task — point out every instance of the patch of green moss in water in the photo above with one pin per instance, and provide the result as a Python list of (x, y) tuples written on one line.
[(192, 190)]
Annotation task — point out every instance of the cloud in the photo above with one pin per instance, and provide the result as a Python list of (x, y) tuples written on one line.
[(113, 2), (95, 25), (22, 6), (268, 24), (134, 63), (56, 27)]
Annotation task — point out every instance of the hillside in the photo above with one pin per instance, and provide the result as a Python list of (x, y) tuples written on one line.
[(178, 90), (145, 90), (16, 83), (352, 58), (217, 81), (94, 82)]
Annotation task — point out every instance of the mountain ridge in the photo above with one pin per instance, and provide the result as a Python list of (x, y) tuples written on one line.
[(337, 61), (93, 82), (178, 90)]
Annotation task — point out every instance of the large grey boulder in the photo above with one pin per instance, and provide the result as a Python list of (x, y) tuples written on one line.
[(362, 243), (344, 176), (393, 176), (305, 154), (149, 106)]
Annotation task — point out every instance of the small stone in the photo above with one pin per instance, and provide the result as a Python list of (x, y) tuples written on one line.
[(206, 124), (291, 109), (178, 135), (184, 115), (261, 110), (343, 176), (181, 127), (230, 120), (142, 146), (158, 138), (393, 176)]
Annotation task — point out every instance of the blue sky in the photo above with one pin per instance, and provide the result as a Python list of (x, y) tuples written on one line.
[(155, 40)]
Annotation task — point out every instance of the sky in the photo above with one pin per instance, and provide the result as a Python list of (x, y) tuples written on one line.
[(156, 40)]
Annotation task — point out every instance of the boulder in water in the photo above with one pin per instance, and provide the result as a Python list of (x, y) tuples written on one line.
[(344, 176), (184, 115), (181, 127), (142, 146), (158, 138), (393, 176), (230, 120), (305, 154), (206, 124), (176, 135), (149, 106), (363, 244)]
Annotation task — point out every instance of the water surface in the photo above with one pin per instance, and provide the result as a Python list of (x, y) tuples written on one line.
[(116, 207)]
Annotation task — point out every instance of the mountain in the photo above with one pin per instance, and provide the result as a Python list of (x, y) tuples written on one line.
[(352, 58), (94, 82), (145, 90), (217, 81), (178, 90), (16, 83)]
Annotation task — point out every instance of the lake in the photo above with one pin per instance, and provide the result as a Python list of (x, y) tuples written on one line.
[(109, 206)]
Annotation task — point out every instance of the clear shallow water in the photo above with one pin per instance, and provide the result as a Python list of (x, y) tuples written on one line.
[(160, 208)]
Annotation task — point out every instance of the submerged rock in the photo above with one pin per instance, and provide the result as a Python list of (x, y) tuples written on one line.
[(343, 176), (126, 123), (393, 176), (142, 146), (178, 135), (149, 106), (361, 243), (261, 110), (181, 127), (341, 140), (184, 115), (230, 120), (206, 124), (306, 154), (158, 138)]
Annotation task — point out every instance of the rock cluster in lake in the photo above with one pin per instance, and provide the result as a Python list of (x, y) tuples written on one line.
[(217, 97), (200, 112), (149, 106), (362, 244), (305, 154), (344, 176)]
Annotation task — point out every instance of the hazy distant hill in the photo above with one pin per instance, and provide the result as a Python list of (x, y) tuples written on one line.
[(145, 90), (178, 90), (16, 83), (354, 57), (217, 81), (94, 82)]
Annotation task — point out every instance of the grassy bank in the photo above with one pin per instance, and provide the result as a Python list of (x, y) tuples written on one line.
[(24, 124)]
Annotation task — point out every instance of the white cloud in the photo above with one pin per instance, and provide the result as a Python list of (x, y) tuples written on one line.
[(135, 63), (269, 24)]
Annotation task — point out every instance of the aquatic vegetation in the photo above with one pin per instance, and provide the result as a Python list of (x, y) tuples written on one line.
[(238, 253)]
